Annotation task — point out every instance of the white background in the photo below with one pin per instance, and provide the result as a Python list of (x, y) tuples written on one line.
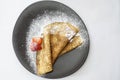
[(102, 18)]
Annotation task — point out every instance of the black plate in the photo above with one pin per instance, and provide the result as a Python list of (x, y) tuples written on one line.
[(66, 64)]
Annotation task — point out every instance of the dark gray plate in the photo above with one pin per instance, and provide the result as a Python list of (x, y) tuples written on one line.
[(66, 64)]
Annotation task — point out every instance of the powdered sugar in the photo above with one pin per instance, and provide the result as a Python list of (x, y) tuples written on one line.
[(69, 33), (36, 29), (66, 31)]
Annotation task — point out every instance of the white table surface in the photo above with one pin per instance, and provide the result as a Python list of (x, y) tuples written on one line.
[(102, 18)]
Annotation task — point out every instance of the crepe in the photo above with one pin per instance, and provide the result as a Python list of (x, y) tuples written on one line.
[(74, 43), (43, 57), (60, 35)]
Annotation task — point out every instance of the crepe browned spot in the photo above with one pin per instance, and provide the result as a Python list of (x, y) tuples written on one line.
[(74, 43), (60, 35), (43, 57)]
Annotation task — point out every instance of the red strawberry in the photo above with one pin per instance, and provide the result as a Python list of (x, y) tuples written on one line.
[(37, 40), (36, 44)]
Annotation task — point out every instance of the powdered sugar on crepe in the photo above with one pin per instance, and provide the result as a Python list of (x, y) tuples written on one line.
[(66, 31), (69, 33), (36, 29)]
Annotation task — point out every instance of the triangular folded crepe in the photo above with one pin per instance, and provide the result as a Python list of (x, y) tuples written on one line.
[(74, 42), (61, 33), (43, 57)]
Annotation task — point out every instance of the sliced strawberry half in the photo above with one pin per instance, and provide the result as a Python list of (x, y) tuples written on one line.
[(36, 44), (38, 40)]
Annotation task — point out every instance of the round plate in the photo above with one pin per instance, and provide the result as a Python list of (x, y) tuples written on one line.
[(66, 64)]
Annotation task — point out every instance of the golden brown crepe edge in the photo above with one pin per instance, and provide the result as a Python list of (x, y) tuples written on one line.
[(74, 43), (43, 57)]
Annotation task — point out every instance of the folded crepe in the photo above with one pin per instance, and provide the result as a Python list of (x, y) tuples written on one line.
[(56, 41), (74, 43), (61, 33), (43, 57)]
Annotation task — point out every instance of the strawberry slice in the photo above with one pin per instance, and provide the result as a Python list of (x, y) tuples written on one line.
[(38, 40), (36, 44)]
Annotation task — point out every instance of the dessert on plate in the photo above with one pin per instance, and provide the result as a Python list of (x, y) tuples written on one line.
[(57, 39)]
